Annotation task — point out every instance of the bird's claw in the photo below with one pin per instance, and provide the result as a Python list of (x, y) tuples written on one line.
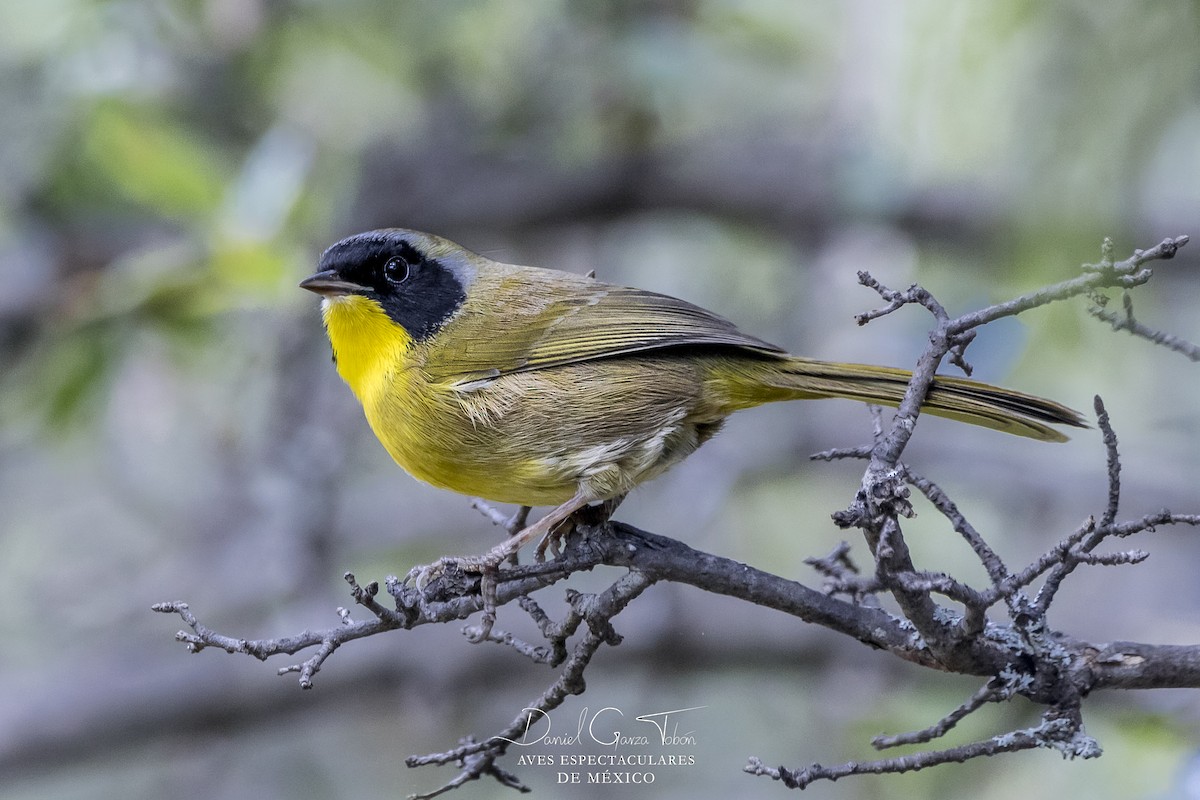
[(485, 566)]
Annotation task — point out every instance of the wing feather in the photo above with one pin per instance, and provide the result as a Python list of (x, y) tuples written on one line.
[(550, 318)]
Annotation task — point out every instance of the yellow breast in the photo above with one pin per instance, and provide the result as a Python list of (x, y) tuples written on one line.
[(425, 427)]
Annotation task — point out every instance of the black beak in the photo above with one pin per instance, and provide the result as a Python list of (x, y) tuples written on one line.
[(330, 284)]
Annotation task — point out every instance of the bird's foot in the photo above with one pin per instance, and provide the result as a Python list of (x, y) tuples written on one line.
[(550, 528), (486, 566), (422, 575), (553, 540)]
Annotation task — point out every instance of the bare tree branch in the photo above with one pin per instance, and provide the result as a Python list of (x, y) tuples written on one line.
[(991, 692), (1057, 733)]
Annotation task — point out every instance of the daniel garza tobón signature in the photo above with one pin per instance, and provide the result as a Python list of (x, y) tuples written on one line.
[(599, 728)]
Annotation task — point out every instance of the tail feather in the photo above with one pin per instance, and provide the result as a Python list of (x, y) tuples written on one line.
[(956, 398)]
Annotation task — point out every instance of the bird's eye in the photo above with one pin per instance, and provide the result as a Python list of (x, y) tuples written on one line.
[(396, 270)]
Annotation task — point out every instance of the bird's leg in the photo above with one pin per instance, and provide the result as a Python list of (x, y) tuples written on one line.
[(487, 566), (544, 528), (609, 506), (510, 524), (596, 515)]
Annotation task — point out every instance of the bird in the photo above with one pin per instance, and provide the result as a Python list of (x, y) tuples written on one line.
[(540, 387)]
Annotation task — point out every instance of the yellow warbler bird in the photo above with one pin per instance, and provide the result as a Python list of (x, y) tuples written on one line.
[(539, 387)]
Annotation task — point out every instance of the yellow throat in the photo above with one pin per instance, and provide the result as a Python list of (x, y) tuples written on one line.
[(366, 343)]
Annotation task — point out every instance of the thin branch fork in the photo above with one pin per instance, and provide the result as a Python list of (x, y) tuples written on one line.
[(1126, 322)]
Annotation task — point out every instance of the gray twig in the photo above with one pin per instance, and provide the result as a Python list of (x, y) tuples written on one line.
[(988, 693), (1062, 734), (1127, 322), (1113, 460), (1164, 250)]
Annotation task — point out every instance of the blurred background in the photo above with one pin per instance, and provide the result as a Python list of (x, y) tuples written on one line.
[(172, 428)]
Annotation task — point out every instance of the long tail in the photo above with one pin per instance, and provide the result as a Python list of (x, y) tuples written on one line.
[(956, 398)]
